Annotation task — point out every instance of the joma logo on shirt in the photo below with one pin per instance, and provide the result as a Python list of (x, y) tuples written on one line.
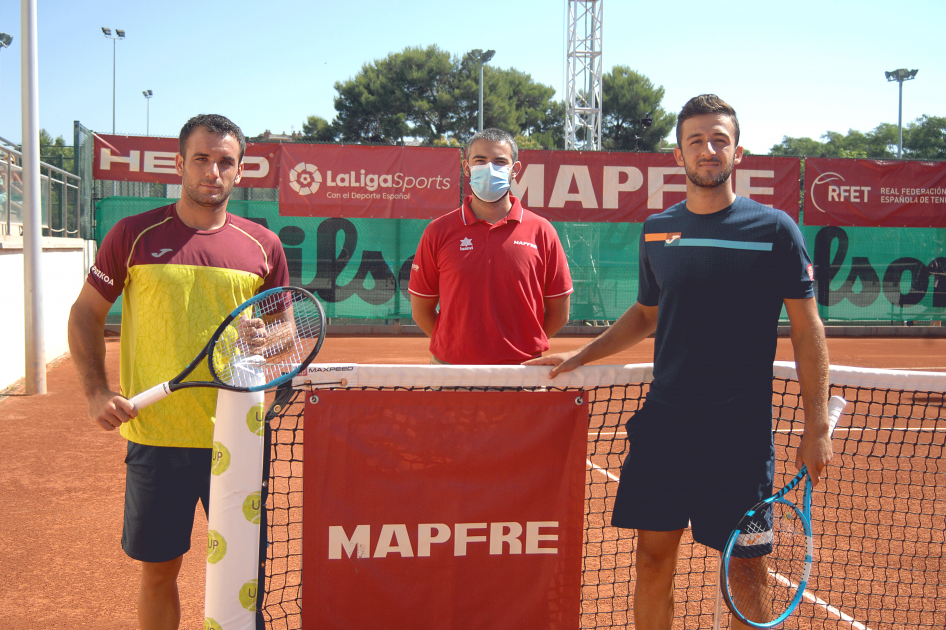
[(526, 243), (101, 276)]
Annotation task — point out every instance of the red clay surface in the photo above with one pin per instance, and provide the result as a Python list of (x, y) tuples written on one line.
[(60, 527)]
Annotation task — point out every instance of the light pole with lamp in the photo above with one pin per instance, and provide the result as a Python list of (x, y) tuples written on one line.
[(119, 34), (5, 40), (900, 76), (483, 58), (148, 94)]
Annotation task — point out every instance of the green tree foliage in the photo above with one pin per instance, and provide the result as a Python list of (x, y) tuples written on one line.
[(317, 129), (425, 93), (627, 97), (923, 139), (55, 151)]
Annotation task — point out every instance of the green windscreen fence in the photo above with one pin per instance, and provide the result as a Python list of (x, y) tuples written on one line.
[(359, 268)]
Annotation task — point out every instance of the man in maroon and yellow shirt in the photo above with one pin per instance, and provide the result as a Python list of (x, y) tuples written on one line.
[(180, 270), (497, 270)]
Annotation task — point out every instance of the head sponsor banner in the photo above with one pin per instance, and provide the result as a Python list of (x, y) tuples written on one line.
[(330, 180), (443, 509), (150, 159), (875, 193), (629, 187)]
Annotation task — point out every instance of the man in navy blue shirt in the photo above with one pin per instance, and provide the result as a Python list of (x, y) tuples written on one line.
[(715, 271)]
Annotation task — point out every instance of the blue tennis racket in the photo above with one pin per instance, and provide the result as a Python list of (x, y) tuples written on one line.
[(263, 343), (767, 559)]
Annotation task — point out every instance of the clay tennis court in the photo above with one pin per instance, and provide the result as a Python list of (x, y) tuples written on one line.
[(60, 528)]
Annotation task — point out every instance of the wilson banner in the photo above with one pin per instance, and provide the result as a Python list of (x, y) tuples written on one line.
[(443, 509), (875, 193)]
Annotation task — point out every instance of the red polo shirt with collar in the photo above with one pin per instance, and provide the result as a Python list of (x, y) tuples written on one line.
[(491, 281)]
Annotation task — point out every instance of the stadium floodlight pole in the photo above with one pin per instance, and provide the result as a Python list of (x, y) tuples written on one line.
[(483, 58), (119, 34), (148, 94), (5, 40), (900, 76)]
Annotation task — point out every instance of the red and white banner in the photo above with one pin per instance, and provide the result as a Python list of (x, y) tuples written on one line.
[(629, 187), (875, 193), (364, 182), (443, 510), (149, 159)]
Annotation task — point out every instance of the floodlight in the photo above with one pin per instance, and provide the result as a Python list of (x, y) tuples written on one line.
[(107, 31), (900, 76), (119, 32), (5, 40)]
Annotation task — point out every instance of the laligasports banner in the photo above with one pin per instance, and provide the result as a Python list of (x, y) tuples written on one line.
[(443, 509), (875, 193), (368, 182), (599, 186), (149, 159)]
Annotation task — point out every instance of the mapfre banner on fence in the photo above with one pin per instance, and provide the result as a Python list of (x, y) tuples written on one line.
[(368, 182), (875, 193), (148, 159), (443, 509), (629, 187)]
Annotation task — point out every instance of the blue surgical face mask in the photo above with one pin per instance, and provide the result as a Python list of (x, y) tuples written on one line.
[(489, 182)]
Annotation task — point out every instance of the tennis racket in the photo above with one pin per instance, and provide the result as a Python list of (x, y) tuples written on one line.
[(264, 342), (767, 559)]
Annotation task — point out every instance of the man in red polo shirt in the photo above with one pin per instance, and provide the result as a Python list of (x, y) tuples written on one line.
[(497, 270)]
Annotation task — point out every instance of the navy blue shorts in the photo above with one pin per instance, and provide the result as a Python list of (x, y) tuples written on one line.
[(162, 487), (700, 465)]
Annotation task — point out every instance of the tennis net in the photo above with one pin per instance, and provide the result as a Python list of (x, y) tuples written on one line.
[(879, 516)]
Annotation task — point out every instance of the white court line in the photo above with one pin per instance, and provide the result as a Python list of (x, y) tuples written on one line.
[(601, 470), (820, 602), (607, 433), (862, 429)]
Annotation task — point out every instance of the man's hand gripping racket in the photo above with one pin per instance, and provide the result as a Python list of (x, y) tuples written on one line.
[(263, 343), (767, 559)]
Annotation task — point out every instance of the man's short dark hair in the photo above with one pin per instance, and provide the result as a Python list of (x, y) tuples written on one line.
[(706, 104), (214, 123), (495, 135)]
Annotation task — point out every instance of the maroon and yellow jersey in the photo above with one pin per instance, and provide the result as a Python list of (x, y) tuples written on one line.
[(177, 284)]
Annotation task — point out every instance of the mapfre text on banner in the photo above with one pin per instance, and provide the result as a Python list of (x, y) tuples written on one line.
[(443, 509), (368, 182), (875, 193), (629, 187), (150, 159)]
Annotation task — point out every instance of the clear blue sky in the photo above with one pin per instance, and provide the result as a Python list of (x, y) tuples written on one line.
[(789, 68)]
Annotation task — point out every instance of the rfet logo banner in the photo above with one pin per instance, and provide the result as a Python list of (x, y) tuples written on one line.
[(443, 509), (629, 187), (368, 182), (875, 193), (148, 159)]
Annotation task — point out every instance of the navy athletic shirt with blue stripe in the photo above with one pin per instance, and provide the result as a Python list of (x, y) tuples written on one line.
[(719, 280)]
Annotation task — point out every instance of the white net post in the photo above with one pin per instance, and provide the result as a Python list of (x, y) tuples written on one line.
[(234, 516)]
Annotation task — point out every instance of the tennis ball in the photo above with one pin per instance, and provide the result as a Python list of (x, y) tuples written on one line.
[(210, 624), (255, 418), (221, 459), (216, 547), (248, 595), (251, 508)]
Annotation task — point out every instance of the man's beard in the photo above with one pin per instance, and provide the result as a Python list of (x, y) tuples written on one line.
[(205, 200), (709, 181)]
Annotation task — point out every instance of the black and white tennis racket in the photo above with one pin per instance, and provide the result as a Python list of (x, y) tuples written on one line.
[(263, 343), (767, 559)]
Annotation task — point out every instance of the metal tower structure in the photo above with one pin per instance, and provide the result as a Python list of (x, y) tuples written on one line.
[(583, 90)]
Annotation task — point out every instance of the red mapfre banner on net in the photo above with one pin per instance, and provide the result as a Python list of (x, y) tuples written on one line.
[(629, 187), (364, 182), (875, 193), (443, 510), (148, 159)]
